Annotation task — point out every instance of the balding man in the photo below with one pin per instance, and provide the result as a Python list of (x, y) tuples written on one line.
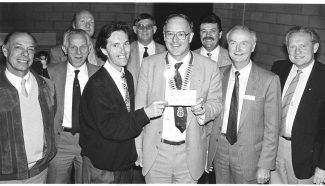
[(81, 20), (27, 108)]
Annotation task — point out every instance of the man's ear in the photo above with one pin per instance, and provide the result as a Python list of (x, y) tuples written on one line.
[(5, 50), (104, 51), (135, 29), (316, 46), (154, 29), (220, 34), (64, 50)]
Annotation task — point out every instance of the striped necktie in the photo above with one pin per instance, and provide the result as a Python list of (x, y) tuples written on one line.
[(126, 91), (287, 100)]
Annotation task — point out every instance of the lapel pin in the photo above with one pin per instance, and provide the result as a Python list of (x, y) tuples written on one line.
[(309, 89)]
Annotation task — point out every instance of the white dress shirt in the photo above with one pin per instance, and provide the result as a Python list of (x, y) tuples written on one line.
[(170, 132), (116, 76), (243, 79), (214, 53), (68, 90), (16, 80), (151, 50), (296, 97)]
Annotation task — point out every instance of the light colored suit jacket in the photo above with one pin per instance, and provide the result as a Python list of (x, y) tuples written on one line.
[(223, 59), (259, 123), (58, 73), (205, 78), (134, 62)]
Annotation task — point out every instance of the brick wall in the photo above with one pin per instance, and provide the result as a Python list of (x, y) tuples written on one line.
[(56, 17), (271, 21)]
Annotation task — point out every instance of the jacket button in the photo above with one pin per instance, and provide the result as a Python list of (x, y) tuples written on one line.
[(159, 132)]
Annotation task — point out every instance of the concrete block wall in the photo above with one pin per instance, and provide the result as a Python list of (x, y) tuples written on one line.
[(271, 21), (56, 17)]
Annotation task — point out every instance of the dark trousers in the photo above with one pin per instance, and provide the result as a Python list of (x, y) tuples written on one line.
[(94, 175)]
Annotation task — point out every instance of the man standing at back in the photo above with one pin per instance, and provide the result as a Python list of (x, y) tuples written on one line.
[(27, 108), (70, 78), (174, 146), (144, 26), (81, 20), (210, 34)]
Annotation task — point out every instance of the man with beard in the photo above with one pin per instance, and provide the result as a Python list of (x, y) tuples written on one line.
[(210, 34)]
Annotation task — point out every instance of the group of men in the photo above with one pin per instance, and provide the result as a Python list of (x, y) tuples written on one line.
[(103, 113)]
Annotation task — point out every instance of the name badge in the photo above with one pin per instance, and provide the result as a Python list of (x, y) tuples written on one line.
[(249, 97)]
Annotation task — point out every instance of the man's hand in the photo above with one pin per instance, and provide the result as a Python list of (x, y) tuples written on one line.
[(319, 177), (263, 175), (139, 160), (199, 108), (155, 109)]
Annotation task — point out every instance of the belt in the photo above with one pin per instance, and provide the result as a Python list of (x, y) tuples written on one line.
[(173, 142), (286, 138), (67, 129)]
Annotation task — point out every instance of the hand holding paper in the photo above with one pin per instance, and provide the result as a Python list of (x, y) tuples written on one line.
[(199, 108)]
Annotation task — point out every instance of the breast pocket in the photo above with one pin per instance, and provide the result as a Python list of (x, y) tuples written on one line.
[(7, 101)]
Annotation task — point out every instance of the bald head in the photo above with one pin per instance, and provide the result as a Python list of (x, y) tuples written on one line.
[(84, 20)]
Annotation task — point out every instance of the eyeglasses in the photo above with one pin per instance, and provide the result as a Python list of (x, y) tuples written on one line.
[(145, 27), (180, 35)]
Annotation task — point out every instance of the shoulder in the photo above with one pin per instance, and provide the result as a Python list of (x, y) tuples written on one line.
[(202, 60), (160, 46), (153, 59), (198, 51), (56, 68), (92, 68)]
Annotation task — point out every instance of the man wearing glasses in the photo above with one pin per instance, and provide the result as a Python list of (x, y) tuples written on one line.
[(174, 145), (210, 34), (144, 26)]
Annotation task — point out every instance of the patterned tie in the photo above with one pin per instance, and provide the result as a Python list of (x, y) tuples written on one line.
[(209, 54), (180, 113), (145, 53), (126, 91), (23, 88), (286, 102), (231, 134), (76, 96)]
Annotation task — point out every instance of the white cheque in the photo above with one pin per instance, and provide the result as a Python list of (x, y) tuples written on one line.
[(181, 97)]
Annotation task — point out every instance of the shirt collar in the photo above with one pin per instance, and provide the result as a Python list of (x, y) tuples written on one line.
[(214, 52), (305, 70), (151, 44), (82, 68), (14, 78), (112, 71), (185, 60), (244, 71)]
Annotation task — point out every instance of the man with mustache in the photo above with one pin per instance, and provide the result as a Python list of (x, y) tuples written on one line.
[(210, 34)]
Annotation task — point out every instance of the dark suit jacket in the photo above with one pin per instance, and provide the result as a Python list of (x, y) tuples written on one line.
[(58, 73), (107, 129), (308, 130)]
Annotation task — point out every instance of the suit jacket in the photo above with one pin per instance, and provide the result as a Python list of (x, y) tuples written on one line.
[(107, 129), (223, 59), (205, 78), (58, 73), (259, 122), (57, 55), (308, 130), (134, 62)]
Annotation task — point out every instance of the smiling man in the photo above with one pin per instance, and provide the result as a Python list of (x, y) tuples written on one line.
[(109, 122), (27, 108), (210, 34), (244, 140), (70, 78), (301, 154)]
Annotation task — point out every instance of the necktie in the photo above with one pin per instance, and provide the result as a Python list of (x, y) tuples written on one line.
[(126, 91), (286, 101), (233, 112), (23, 88), (180, 113), (209, 54), (145, 53), (76, 95)]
